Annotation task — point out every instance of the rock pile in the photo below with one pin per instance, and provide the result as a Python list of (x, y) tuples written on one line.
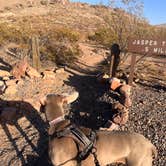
[(121, 108), (20, 73)]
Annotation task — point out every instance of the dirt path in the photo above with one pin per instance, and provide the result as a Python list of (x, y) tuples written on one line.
[(25, 142)]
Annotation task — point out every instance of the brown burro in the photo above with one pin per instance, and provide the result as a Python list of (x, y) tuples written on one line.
[(132, 149)]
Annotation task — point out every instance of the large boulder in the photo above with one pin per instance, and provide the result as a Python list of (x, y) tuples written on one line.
[(20, 68)]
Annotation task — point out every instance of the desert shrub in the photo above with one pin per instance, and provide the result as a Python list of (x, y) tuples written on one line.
[(64, 35), (56, 44), (13, 33), (67, 54), (60, 45), (103, 36), (61, 53)]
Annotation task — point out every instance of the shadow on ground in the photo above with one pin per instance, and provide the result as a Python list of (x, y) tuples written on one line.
[(39, 149), (5, 66), (90, 101)]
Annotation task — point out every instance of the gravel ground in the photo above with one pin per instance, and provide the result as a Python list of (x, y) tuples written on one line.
[(147, 116)]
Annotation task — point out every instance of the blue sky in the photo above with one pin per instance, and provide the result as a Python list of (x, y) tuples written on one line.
[(154, 10)]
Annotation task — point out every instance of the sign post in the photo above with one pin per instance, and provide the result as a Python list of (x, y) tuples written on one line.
[(131, 76), (111, 66), (144, 46), (115, 59)]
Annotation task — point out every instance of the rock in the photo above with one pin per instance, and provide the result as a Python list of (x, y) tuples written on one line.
[(11, 90), (32, 73), (114, 83), (5, 78), (2, 87), (60, 70), (20, 68), (20, 82), (48, 74), (4, 73), (136, 80), (82, 113), (125, 92), (12, 82), (143, 75)]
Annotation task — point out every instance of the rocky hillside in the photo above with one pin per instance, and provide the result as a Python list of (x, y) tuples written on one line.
[(76, 15), (60, 25), (161, 25)]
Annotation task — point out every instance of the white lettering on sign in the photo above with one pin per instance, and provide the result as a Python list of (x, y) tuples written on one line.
[(159, 51), (151, 46), (155, 43), (155, 50), (146, 49), (163, 43), (147, 42), (134, 42)]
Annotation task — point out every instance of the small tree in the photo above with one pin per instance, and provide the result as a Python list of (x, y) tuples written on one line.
[(125, 18)]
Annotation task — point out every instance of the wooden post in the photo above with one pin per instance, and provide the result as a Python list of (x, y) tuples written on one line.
[(35, 53), (131, 76), (115, 59), (111, 65)]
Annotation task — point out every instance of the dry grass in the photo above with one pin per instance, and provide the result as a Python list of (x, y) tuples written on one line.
[(57, 44)]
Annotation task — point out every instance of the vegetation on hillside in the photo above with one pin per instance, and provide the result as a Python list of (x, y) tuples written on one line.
[(125, 23), (60, 32), (56, 44)]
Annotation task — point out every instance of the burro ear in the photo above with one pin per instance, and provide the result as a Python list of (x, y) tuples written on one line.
[(69, 98), (43, 101)]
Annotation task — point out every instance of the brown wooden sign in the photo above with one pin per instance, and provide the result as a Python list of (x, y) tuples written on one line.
[(147, 46)]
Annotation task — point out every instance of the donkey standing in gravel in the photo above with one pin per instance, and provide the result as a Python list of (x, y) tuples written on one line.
[(131, 149)]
